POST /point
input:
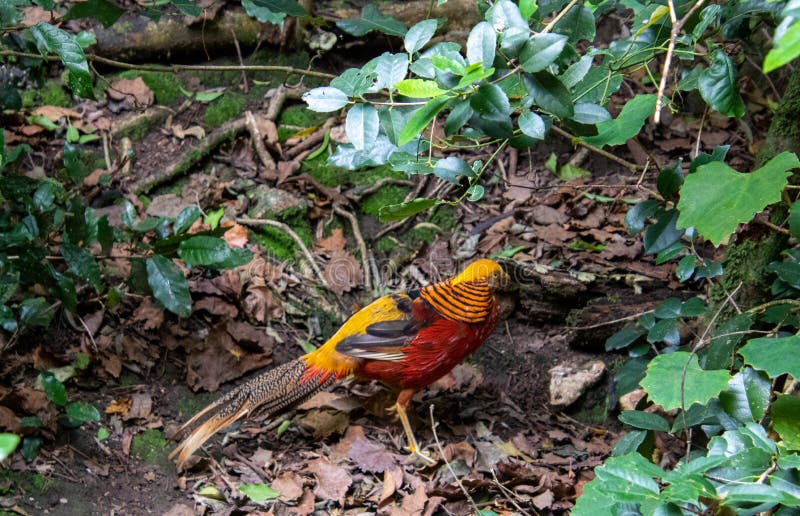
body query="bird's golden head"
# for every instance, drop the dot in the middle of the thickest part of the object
(484, 270)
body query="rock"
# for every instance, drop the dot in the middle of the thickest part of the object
(569, 381)
(268, 202)
(114, 213)
(168, 205)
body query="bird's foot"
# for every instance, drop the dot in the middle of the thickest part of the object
(421, 456)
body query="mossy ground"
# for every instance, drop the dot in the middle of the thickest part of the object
(229, 106)
(29, 483)
(51, 94)
(166, 86)
(150, 446)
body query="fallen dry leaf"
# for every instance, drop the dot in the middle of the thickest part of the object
(54, 113)
(121, 407)
(34, 15)
(332, 481)
(217, 306)
(236, 236)
(8, 420)
(140, 408)
(179, 132)
(306, 505)
(461, 450)
(217, 359)
(134, 91)
(325, 399)
(324, 422)
(343, 272)
(411, 504)
(335, 242)
(392, 481)
(149, 314)
(261, 305)
(289, 485)
(371, 457)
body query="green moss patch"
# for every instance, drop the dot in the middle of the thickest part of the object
(150, 446)
(166, 86)
(389, 194)
(228, 106)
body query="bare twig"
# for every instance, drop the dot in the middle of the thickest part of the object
(246, 221)
(362, 246)
(608, 323)
(174, 68)
(677, 26)
(449, 467)
(558, 17)
(245, 87)
(633, 167)
(258, 142)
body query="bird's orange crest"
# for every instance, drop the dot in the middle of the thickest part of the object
(478, 270)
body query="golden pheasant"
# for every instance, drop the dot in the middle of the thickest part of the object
(406, 340)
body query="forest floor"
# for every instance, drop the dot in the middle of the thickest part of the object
(497, 437)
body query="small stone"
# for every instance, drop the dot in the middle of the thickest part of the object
(569, 381)
(267, 202)
(167, 205)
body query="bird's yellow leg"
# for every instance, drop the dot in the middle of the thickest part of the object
(403, 401)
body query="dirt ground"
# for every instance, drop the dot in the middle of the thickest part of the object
(497, 437)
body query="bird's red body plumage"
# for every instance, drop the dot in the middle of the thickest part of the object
(438, 347)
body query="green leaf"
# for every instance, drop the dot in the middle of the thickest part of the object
(506, 18)
(82, 264)
(101, 10)
(421, 118)
(786, 49)
(627, 478)
(8, 285)
(644, 420)
(30, 448)
(587, 113)
(186, 7)
(51, 39)
(390, 69)
(259, 492)
(53, 388)
(475, 193)
(532, 125)
(629, 443)
(662, 234)
(628, 123)
(732, 197)
(35, 311)
(540, 51)
(665, 330)
(290, 7)
(670, 308)
(419, 35)
(623, 338)
(527, 8)
(8, 443)
(214, 217)
(638, 215)
(372, 19)
(169, 285)
(669, 180)
(263, 14)
(80, 412)
(103, 433)
(718, 86)
(212, 252)
(128, 214)
(355, 82)
(419, 88)
(685, 268)
(693, 307)
(776, 356)
(549, 94)
(492, 111)
(747, 396)
(794, 219)
(662, 382)
(451, 168)
(718, 354)
(185, 219)
(481, 44)
(362, 125)
(404, 210)
(325, 99)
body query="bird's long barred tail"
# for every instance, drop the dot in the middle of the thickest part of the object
(270, 392)
(466, 302)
